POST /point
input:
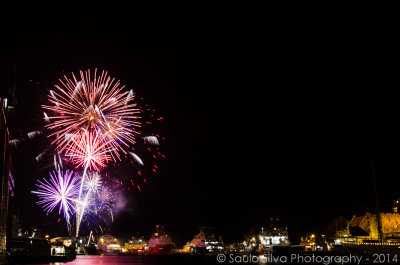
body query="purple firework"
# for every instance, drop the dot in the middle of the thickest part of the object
(60, 192)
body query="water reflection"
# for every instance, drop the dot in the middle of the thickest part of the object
(137, 260)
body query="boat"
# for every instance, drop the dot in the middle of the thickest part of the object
(272, 236)
(135, 246)
(159, 243)
(205, 242)
(109, 245)
(197, 245)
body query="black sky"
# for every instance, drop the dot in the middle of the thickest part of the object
(271, 110)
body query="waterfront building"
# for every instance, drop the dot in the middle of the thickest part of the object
(368, 228)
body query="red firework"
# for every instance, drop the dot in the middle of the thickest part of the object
(87, 149)
(96, 103)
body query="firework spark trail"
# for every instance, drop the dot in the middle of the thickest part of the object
(115, 128)
(46, 118)
(14, 142)
(39, 156)
(60, 192)
(136, 158)
(89, 150)
(34, 134)
(151, 140)
(93, 183)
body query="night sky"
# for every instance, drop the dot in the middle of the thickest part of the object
(269, 110)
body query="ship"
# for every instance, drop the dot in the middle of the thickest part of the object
(135, 246)
(109, 245)
(272, 236)
(196, 245)
(205, 242)
(159, 243)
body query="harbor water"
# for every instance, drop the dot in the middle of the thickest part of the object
(139, 260)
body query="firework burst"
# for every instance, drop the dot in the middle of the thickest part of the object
(96, 103)
(93, 182)
(87, 149)
(58, 192)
